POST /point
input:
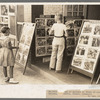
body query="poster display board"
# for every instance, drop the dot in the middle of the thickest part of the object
(87, 51)
(73, 28)
(43, 42)
(25, 43)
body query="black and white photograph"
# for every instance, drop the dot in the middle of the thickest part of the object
(88, 65)
(26, 48)
(28, 40)
(40, 22)
(71, 41)
(77, 62)
(40, 32)
(4, 9)
(80, 51)
(41, 41)
(23, 59)
(23, 38)
(69, 23)
(18, 56)
(21, 46)
(49, 40)
(54, 50)
(49, 50)
(29, 29)
(41, 51)
(96, 42)
(4, 20)
(76, 40)
(84, 40)
(70, 32)
(97, 30)
(78, 23)
(70, 50)
(50, 22)
(87, 28)
(11, 8)
(92, 53)
(47, 31)
(76, 31)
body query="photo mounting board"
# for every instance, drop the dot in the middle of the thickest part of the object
(86, 54)
(25, 43)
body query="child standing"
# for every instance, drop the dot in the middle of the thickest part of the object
(6, 55)
(58, 44)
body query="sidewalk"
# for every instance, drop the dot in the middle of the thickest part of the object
(30, 76)
(62, 78)
(40, 74)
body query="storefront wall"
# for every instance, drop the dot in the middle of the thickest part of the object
(27, 13)
(53, 9)
(93, 12)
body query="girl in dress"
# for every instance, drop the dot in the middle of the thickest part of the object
(6, 55)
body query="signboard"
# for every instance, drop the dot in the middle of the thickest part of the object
(25, 43)
(87, 51)
(73, 31)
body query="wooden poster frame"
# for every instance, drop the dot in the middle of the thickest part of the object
(70, 24)
(90, 41)
(42, 24)
(25, 41)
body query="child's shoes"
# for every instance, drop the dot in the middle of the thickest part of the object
(6, 79)
(51, 68)
(58, 71)
(12, 81)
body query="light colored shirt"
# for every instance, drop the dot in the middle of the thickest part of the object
(59, 29)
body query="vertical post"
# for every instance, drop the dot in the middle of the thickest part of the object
(98, 79)
(24, 69)
(92, 79)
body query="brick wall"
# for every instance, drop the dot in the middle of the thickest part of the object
(53, 9)
(47, 10)
(27, 13)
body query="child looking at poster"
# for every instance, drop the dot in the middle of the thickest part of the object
(58, 44)
(6, 55)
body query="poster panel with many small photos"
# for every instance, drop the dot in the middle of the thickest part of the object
(43, 40)
(73, 28)
(25, 43)
(87, 51)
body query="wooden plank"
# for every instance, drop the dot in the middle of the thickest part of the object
(82, 71)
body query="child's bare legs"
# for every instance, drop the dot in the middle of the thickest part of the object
(11, 71)
(5, 73)
(11, 76)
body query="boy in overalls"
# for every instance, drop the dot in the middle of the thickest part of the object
(58, 44)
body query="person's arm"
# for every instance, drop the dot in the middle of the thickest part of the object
(11, 47)
(14, 47)
(65, 31)
(51, 32)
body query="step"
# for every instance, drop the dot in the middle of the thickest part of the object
(46, 74)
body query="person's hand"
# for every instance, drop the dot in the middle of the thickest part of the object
(17, 47)
(17, 42)
(14, 47)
